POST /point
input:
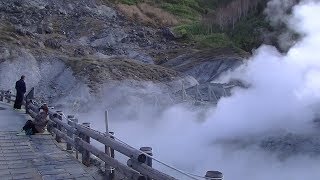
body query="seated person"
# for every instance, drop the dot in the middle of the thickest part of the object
(39, 123)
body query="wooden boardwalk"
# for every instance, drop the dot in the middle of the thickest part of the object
(43, 157)
(34, 157)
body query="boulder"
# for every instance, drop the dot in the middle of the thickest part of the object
(141, 34)
(140, 56)
(17, 3)
(48, 29)
(103, 43)
(14, 20)
(168, 33)
(39, 30)
(26, 22)
(20, 31)
(4, 53)
(105, 11)
(79, 52)
(52, 43)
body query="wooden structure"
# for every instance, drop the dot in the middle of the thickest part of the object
(78, 138)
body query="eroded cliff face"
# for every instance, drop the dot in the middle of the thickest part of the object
(78, 29)
(207, 65)
(71, 48)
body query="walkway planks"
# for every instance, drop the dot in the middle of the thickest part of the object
(36, 157)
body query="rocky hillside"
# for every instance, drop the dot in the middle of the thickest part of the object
(243, 24)
(79, 29)
(210, 64)
(63, 45)
(207, 23)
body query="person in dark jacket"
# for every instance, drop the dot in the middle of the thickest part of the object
(21, 89)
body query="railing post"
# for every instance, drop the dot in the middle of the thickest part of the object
(147, 150)
(59, 116)
(30, 95)
(74, 122)
(28, 98)
(85, 153)
(9, 97)
(69, 134)
(214, 175)
(112, 150)
(1, 95)
(108, 169)
(76, 136)
(50, 124)
(112, 154)
(27, 105)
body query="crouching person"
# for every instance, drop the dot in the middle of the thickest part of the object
(39, 123)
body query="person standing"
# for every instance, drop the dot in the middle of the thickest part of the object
(21, 89)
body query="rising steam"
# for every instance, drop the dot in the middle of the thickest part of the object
(282, 98)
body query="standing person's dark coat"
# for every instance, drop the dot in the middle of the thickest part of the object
(21, 89)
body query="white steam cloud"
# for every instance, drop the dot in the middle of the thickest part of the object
(277, 11)
(283, 98)
(278, 14)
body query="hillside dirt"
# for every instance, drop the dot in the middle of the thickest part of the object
(96, 41)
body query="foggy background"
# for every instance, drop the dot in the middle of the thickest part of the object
(261, 133)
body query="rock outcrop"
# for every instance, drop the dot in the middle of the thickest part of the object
(206, 66)
(93, 44)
